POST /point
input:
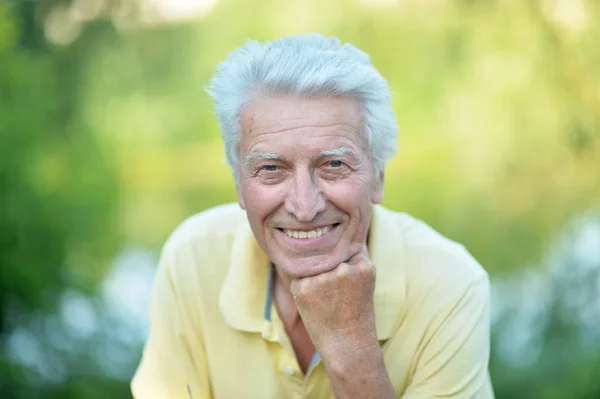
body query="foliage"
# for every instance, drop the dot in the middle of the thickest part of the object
(58, 189)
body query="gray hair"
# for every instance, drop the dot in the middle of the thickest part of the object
(303, 65)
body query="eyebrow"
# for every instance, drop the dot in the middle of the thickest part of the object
(333, 152)
(338, 152)
(262, 156)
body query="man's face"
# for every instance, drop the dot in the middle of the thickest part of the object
(307, 181)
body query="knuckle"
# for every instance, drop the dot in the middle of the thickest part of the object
(343, 270)
(366, 269)
(322, 278)
(304, 288)
(299, 290)
(295, 287)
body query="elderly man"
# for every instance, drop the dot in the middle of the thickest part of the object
(309, 288)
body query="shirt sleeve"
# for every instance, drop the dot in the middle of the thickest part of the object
(453, 363)
(173, 364)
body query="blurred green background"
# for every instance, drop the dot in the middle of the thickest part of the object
(108, 141)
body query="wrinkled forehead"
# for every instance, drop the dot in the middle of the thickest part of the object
(277, 114)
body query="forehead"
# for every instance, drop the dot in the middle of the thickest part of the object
(281, 119)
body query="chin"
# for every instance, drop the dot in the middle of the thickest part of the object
(308, 267)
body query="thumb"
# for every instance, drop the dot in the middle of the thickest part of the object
(359, 256)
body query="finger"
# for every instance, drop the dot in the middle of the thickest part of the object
(343, 270)
(365, 251)
(360, 256)
(295, 288)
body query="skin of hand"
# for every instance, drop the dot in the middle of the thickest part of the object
(337, 310)
(337, 306)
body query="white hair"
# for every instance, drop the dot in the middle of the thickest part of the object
(303, 65)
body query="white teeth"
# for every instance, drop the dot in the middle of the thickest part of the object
(307, 234)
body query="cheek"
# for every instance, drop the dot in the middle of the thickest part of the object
(260, 201)
(349, 195)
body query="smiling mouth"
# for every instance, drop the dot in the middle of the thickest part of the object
(302, 234)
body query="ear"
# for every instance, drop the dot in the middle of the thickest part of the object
(238, 190)
(377, 194)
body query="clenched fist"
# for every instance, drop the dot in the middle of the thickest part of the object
(337, 306)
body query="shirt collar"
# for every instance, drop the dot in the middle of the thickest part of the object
(246, 285)
(244, 290)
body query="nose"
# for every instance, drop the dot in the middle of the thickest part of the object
(305, 199)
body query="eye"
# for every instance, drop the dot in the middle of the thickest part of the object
(335, 164)
(270, 168)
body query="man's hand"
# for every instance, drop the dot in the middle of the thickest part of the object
(337, 306)
(338, 314)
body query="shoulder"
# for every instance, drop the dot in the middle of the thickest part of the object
(436, 254)
(199, 249)
(444, 322)
(436, 268)
(196, 257)
(205, 228)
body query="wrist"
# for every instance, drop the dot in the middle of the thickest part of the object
(343, 357)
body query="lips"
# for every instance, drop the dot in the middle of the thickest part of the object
(309, 239)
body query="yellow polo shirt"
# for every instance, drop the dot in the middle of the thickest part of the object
(215, 332)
